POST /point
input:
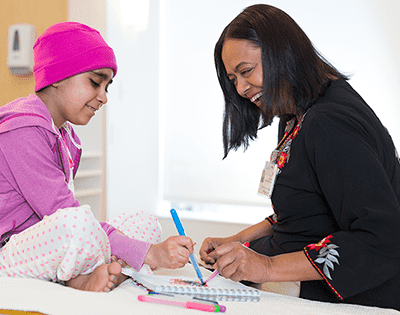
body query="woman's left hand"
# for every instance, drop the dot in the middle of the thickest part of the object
(236, 262)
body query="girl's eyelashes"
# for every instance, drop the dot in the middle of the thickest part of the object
(97, 85)
(94, 83)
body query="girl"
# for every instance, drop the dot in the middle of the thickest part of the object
(336, 172)
(45, 232)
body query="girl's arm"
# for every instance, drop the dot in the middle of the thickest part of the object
(172, 253)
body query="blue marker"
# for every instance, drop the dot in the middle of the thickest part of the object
(181, 231)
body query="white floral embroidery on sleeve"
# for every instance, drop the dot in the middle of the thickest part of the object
(328, 256)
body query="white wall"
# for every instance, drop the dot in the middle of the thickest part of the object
(132, 115)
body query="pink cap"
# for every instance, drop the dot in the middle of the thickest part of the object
(69, 48)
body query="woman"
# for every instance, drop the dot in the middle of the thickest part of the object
(333, 180)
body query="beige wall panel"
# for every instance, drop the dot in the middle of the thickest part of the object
(41, 14)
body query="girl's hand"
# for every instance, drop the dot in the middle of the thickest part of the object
(172, 253)
(236, 262)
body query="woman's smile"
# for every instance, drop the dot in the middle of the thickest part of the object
(256, 99)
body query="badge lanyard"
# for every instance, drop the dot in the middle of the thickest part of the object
(279, 157)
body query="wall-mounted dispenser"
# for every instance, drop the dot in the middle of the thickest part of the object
(21, 38)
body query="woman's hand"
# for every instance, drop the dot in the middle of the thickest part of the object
(236, 262)
(247, 235)
(172, 253)
(210, 244)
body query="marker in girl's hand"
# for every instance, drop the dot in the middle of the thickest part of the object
(181, 231)
(216, 272)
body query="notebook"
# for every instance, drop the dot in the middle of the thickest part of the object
(218, 289)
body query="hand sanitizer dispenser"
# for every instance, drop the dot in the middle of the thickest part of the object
(21, 38)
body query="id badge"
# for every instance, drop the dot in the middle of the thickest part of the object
(268, 178)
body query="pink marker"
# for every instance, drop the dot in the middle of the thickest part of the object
(192, 305)
(216, 272)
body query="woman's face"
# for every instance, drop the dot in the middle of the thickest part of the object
(243, 64)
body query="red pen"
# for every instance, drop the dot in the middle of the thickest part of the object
(191, 305)
(216, 272)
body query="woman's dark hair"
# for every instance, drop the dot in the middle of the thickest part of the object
(295, 75)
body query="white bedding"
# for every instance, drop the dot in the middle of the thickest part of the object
(50, 298)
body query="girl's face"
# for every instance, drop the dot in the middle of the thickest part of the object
(243, 64)
(77, 98)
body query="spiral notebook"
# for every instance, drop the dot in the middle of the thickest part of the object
(218, 289)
